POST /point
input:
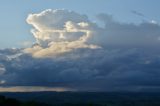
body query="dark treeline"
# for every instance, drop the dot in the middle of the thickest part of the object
(14, 102)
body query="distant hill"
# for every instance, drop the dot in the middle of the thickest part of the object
(85, 98)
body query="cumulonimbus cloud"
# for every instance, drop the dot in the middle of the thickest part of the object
(73, 52)
(59, 31)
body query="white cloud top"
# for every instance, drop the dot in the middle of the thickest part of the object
(59, 31)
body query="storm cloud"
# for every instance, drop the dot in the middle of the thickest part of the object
(72, 52)
(59, 31)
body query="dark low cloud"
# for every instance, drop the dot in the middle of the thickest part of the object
(100, 70)
(125, 58)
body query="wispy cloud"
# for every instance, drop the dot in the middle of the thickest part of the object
(137, 13)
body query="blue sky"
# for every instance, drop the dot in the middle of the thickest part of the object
(15, 30)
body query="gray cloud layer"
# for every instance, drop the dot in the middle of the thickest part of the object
(73, 52)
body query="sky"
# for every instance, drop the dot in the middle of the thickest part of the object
(68, 45)
(14, 14)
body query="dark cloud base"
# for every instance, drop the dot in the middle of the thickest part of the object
(87, 70)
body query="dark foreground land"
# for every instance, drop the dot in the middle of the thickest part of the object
(79, 99)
